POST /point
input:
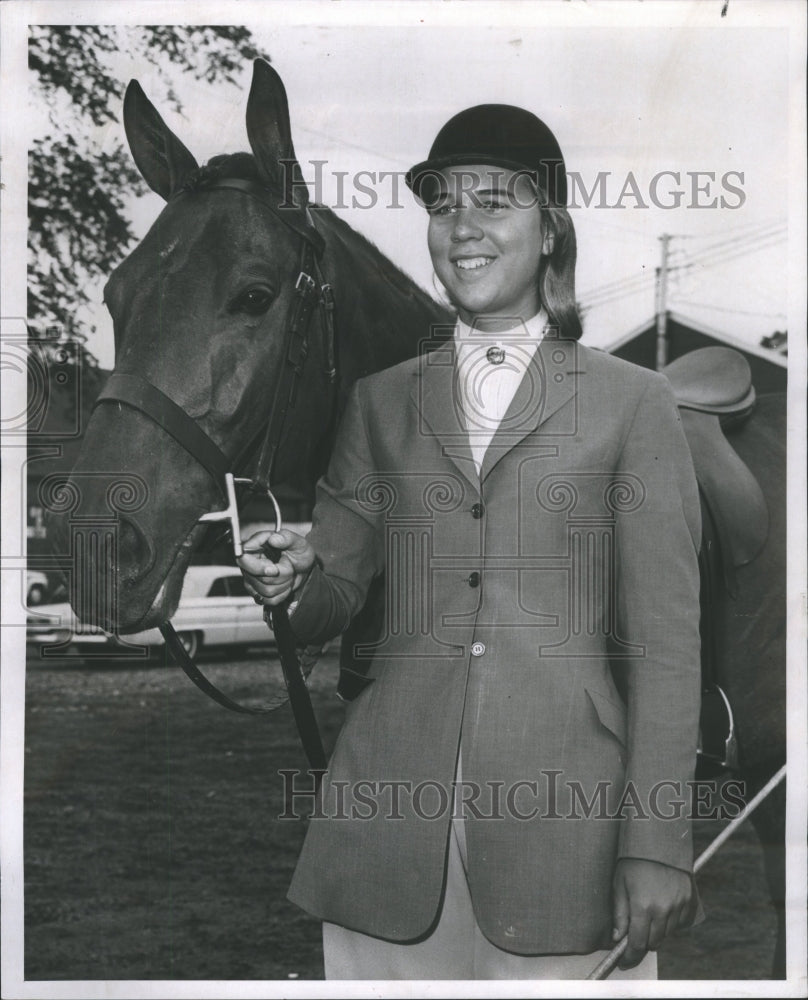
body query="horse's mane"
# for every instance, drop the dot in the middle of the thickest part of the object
(366, 251)
(243, 166)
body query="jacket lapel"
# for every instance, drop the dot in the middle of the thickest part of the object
(435, 396)
(550, 382)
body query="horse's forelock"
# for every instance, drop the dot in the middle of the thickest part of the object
(241, 166)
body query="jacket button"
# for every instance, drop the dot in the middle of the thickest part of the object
(477, 648)
(474, 579)
(477, 511)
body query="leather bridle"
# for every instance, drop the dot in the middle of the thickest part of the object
(311, 291)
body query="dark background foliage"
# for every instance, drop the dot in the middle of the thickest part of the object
(81, 177)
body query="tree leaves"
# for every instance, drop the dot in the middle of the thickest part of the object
(77, 224)
(80, 179)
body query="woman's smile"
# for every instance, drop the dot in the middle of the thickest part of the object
(472, 263)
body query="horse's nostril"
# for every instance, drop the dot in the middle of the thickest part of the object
(99, 550)
(92, 575)
(134, 551)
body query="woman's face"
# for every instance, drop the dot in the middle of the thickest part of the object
(485, 239)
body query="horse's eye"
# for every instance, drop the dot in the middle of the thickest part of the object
(254, 302)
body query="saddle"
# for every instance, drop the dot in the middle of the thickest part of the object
(713, 389)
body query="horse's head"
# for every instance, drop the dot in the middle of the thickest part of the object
(200, 310)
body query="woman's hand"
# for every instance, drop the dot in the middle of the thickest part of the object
(272, 582)
(650, 901)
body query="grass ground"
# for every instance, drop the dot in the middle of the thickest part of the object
(153, 848)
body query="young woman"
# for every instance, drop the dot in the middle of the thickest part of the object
(508, 795)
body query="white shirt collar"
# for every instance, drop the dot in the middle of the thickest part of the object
(531, 330)
(490, 367)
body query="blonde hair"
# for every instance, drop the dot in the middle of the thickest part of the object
(557, 271)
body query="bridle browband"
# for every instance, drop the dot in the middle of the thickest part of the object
(140, 394)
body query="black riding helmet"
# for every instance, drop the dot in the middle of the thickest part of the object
(500, 135)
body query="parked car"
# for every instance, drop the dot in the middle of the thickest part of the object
(36, 587)
(214, 610)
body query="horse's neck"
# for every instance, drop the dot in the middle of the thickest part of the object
(382, 316)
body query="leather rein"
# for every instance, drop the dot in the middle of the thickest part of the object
(311, 291)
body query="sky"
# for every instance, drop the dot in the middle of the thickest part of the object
(651, 96)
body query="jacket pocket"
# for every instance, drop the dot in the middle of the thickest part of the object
(611, 715)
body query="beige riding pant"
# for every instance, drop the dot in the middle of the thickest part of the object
(457, 948)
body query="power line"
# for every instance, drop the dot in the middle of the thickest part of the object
(740, 234)
(730, 246)
(735, 230)
(758, 237)
(735, 236)
(718, 260)
(701, 282)
(617, 283)
(616, 290)
(727, 309)
(588, 304)
(751, 241)
(638, 289)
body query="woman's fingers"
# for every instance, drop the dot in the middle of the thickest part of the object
(261, 552)
(268, 593)
(272, 575)
(253, 558)
(276, 598)
(295, 548)
(273, 562)
(656, 894)
(674, 920)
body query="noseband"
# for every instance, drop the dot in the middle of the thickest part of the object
(137, 392)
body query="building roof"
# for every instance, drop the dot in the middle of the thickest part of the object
(775, 357)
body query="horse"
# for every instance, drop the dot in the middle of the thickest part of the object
(752, 651)
(738, 446)
(200, 309)
(204, 328)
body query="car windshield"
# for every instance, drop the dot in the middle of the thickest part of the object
(236, 586)
(205, 581)
(219, 587)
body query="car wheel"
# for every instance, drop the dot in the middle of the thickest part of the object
(36, 595)
(190, 642)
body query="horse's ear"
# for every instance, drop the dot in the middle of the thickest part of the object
(270, 135)
(158, 153)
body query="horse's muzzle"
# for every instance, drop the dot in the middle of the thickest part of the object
(106, 563)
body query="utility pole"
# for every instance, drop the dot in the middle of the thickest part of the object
(662, 304)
